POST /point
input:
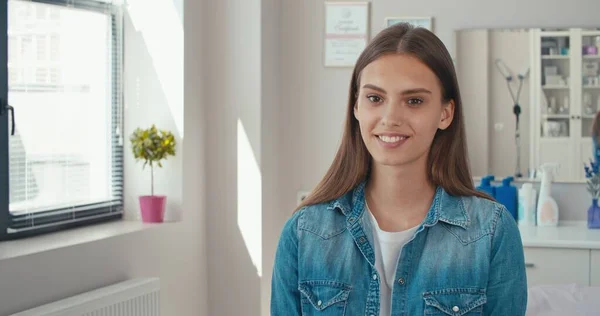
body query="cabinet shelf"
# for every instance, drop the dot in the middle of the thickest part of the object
(591, 56)
(565, 116)
(555, 34)
(592, 87)
(554, 139)
(555, 57)
(554, 87)
(556, 116)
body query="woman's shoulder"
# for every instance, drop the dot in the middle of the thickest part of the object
(322, 219)
(481, 203)
(484, 214)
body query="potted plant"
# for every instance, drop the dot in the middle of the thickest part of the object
(593, 186)
(152, 146)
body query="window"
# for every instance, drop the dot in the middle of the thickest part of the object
(61, 74)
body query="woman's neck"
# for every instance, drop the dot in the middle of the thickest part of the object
(399, 197)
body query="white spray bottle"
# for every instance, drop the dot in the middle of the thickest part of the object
(547, 209)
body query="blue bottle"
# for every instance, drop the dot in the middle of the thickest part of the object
(486, 186)
(508, 195)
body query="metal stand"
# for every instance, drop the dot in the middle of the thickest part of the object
(517, 112)
(505, 71)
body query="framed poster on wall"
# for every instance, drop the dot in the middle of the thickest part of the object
(346, 32)
(425, 22)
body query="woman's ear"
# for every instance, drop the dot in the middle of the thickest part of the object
(447, 115)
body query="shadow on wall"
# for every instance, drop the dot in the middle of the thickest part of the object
(234, 185)
(234, 220)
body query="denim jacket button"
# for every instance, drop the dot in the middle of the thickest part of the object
(319, 303)
(351, 219)
(374, 276)
(401, 281)
(362, 240)
(455, 309)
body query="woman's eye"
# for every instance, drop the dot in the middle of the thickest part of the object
(415, 101)
(374, 98)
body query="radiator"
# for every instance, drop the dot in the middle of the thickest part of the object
(137, 297)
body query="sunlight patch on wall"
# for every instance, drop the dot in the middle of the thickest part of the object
(249, 190)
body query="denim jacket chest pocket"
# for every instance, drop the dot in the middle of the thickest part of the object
(455, 302)
(324, 298)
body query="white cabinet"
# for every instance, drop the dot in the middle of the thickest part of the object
(567, 254)
(595, 268)
(564, 98)
(560, 151)
(557, 266)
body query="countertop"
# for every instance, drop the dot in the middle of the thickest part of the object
(565, 235)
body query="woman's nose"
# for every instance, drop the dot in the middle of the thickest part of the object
(393, 115)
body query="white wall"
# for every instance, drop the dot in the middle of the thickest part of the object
(233, 95)
(472, 69)
(513, 47)
(272, 172)
(242, 86)
(488, 102)
(176, 253)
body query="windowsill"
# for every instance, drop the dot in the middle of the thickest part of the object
(71, 237)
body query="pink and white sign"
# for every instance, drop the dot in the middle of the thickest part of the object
(346, 32)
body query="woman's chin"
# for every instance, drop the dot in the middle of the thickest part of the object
(397, 160)
(391, 161)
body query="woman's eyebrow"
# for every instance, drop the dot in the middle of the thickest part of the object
(409, 91)
(415, 91)
(374, 87)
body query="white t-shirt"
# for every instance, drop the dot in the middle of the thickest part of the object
(388, 246)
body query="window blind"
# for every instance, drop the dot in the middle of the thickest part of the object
(65, 159)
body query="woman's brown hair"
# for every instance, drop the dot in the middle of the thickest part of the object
(596, 128)
(447, 161)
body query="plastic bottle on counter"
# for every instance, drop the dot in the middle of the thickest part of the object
(547, 209)
(527, 205)
(486, 186)
(507, 195)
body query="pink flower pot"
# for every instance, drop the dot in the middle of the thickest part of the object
(153, 208)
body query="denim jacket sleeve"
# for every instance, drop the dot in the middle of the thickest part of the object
(507, 285)
(285, 296)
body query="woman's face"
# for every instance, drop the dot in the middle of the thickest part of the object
(399, 109)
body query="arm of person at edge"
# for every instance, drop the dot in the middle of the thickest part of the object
(507, 285)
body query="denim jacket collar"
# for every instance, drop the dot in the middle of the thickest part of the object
(445, 207)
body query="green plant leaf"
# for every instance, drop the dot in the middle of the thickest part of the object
(152, 145)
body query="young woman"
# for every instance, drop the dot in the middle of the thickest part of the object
(396, 227)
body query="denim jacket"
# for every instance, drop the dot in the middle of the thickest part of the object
(466, 258)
